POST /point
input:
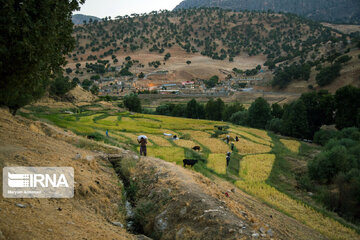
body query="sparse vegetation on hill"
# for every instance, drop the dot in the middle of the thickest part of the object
(216, 33)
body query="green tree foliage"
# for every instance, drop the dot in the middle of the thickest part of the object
(337, 168)
(60, 85)
(277, 111)
(259, 113)
(283, 76)
(295, 120)
(141, 75)
(212, 82)
(343, 59)
(132, 103)
(34, 37)
(275, 125)
(195, 110)
(347, 102)
(86, 84)
(214, 109)
(320, 107)
(328, 74)
(240, 118)
(231, 109)
(94, 89)
(167, 56)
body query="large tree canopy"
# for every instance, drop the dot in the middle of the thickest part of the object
(34, 37)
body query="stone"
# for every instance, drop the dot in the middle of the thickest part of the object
(118, 224)
(262, 230)
(179, 234)
(161, 222)
(231, 230)
(89, 158)
(255, 235)
(20, 205)
(183, 211)
(310, 194)
(270, 233)
(77, 156)
(142, 237)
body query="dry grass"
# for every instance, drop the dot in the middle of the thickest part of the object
(185, 143)
(247, 147)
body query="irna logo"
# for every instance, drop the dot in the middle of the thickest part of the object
(36, 180)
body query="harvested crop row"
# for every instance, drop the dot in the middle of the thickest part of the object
(244, 147)
(292, 145)
(217, 162)
(159, 140)
(260, 133)
(185, 143)
(255, 168)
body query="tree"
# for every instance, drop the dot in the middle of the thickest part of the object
(60, 85)
(347, 103)
(212, 82)
(319, 109)
(295, 120)
(276, 110)
(214, 109)
(231, 109)
(34, 38)
(328, 74)
(188, 62)
(259, 113)
(195, 110)
(94, 89)
(132, 102)
(167, 56)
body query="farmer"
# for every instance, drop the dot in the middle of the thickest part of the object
(232, 146)
(107, 132)
(228, 154)
(227, 139)
(142, 143)
(237, 138)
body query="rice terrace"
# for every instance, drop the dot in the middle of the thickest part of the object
(255, 154)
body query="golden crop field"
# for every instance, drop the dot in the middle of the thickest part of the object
(256, 168)
(292, 145)
(257, 132)
(159, 140)
(247, 147)
(185, 143)
(252, 137)
(170, 154)
(217, 162)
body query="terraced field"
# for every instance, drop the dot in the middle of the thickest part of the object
(255, 151)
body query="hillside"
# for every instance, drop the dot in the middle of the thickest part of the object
(173, 201)
(197, 44)
(80, 18)
(344, 11)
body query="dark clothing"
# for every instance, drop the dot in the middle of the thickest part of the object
(237, 139)
(227, 161)
(143, 150)
(143, 143)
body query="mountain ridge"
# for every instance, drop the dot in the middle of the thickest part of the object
(342, 11)
(80, 18)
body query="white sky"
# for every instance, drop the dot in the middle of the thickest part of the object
(113, 8)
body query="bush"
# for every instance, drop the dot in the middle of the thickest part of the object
(240, 118)
(275, 125)
(132, 102)
(323, 136)
(328, 74)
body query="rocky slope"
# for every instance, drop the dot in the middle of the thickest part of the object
(343, 11)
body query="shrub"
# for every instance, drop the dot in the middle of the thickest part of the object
(323, 136)
(275, 125)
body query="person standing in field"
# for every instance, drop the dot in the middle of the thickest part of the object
(228, 154)
(142, 143)
(107, 132)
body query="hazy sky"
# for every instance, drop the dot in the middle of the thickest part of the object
(113, 8)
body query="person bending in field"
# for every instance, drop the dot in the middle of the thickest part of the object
(142, 143)
(228, 154)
